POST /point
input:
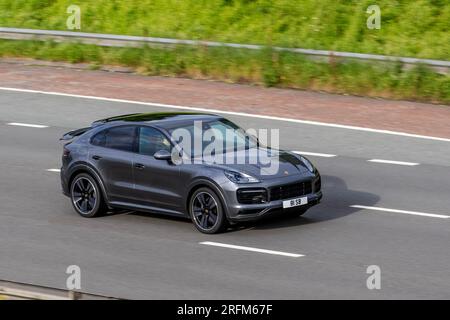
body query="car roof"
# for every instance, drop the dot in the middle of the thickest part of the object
(161, 119)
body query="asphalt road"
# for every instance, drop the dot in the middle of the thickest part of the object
(135, 255)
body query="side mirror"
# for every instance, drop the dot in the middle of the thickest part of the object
(162, 155)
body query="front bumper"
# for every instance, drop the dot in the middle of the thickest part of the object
(252, 212)
(238, 210)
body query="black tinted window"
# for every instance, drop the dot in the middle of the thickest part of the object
(151, 141)
(120, 138)
(99, 139)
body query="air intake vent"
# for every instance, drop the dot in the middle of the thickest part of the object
(290, 191)
(252, 195)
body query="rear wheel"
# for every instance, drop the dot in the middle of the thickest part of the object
(86, 196)
(206, 211)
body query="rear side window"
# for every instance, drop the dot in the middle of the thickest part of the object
(99, 139)
(151, 141)
(119, 138)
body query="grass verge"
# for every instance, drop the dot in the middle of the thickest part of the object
(264, 67)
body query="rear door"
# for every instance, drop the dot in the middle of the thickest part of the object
(111, 152)
(157, 182)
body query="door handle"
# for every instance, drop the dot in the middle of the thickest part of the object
(95, 157)
(139, 166)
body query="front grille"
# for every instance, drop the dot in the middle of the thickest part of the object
(290, 190)
(252, 196)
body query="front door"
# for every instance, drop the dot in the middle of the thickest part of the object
(157, 182)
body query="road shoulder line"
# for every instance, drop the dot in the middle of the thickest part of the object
(416, 213)
(200, 109)
(252, 249)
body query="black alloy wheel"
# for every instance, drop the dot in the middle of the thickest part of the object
(206, 211)
(86, 196)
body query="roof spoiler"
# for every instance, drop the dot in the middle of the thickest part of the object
(102, 121)
(74, 133)
(78, 132)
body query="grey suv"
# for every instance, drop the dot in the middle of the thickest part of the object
(127, 162)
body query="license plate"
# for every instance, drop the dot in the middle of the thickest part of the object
(295, 202)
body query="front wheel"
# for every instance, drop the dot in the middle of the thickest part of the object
(206, 211)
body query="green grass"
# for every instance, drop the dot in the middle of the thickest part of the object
(265, 67)
(408, 28)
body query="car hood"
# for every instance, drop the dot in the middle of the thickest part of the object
(275, 164)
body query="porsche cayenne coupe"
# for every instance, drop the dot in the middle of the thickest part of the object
(127, 162)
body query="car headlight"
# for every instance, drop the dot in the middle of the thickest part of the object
(240, 177)
(308, 164)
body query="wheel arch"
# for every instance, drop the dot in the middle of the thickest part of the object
(86, 168)
(201, 183)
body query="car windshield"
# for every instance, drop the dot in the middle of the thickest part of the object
(221, 135)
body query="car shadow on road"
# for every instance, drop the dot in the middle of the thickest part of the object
(336, 202)
(148, 214)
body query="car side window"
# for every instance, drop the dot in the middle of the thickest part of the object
(151, 141)
(120, 138)
(99, 139)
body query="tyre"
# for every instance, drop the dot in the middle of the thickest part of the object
(86, 196)
(206, 211)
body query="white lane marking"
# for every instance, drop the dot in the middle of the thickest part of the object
(53, 170)
(27, 125)
(314, 154)
(231, 246)
(401, 163)
(162, 105)
(415, 213)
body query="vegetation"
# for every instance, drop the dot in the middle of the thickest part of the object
(408, 28)
(266, 67)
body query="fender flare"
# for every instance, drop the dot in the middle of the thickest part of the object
(204, 181)
(86, 167)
